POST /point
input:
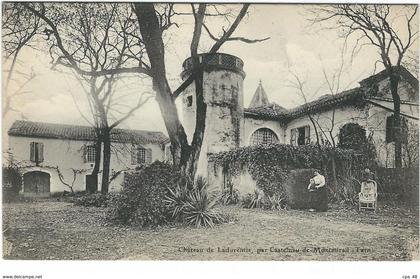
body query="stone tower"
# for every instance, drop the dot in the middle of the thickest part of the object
(223, 93)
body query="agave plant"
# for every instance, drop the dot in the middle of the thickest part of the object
(176, 198)
(254, 200)
(275, 202)
(229, 196)
(198, 209)
(194, 205)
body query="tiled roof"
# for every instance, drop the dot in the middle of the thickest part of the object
(352, 96)
(84, 133)
(327, 101)
(276, 112)
(271, 111)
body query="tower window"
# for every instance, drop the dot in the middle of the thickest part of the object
(189, 101)
(263, 136)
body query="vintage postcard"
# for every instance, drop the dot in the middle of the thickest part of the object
(210, 131)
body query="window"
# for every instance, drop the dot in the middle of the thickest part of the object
(263, 136)
(391, 129)
(140, 155)
(189, 101)
(36, 152)
(90, 154)
(300, 136)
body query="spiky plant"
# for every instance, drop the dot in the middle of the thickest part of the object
(175, 200)
(193, 205)
(275, 202)
(254, 200)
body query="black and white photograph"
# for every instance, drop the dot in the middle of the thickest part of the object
(152, 131)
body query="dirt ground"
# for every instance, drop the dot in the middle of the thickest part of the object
(61, 231)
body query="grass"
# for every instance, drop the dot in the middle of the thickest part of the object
(59, 230)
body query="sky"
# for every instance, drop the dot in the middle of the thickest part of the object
(294, 47)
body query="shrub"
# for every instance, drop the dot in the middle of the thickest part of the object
(254, 200)
(296, 188)
(12, 183)
(92, 200)
(175, 200)
(193, 205)
(274, 202)
(229, 195)
(271, 165)
(142, 199)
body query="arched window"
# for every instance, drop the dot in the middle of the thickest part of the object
(263, 136)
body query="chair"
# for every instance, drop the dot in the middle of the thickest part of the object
(368, 195)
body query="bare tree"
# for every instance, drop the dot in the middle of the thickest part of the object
(325, 125)
(95, 41)
(142, 51)
(185, 155)
(70, 183)
(19, 27)
(391, 29)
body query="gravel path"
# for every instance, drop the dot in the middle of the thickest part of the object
(59, 230)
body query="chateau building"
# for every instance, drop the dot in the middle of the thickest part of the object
(41, 148)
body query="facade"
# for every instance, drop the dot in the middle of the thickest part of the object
(229, 124)
(53, 155)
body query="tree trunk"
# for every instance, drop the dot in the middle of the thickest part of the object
(152, 38)
(200, 125)
(98, 149)
(394, 80)
(107, 161)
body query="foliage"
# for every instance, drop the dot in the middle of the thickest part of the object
(92, 200)
(271, 165)
(275, 202)
(353, 136)
(142, 199)
(254, 200)
(229, 195)
(175, 199)
(411, 147)
(193, 205)
(347, 191)
(12, 183)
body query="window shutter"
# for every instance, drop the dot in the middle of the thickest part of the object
(148, 156)
(40, 152)
(293, 136)
(134, 155)
(85, 154)
(307, 134)
(32, 152)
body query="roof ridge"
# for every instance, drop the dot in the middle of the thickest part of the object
(81, 132)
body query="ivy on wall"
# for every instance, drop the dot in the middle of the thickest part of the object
(269, 165)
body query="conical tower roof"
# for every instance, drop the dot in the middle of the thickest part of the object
(260, 97)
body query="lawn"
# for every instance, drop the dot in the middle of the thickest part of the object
(58, 230)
